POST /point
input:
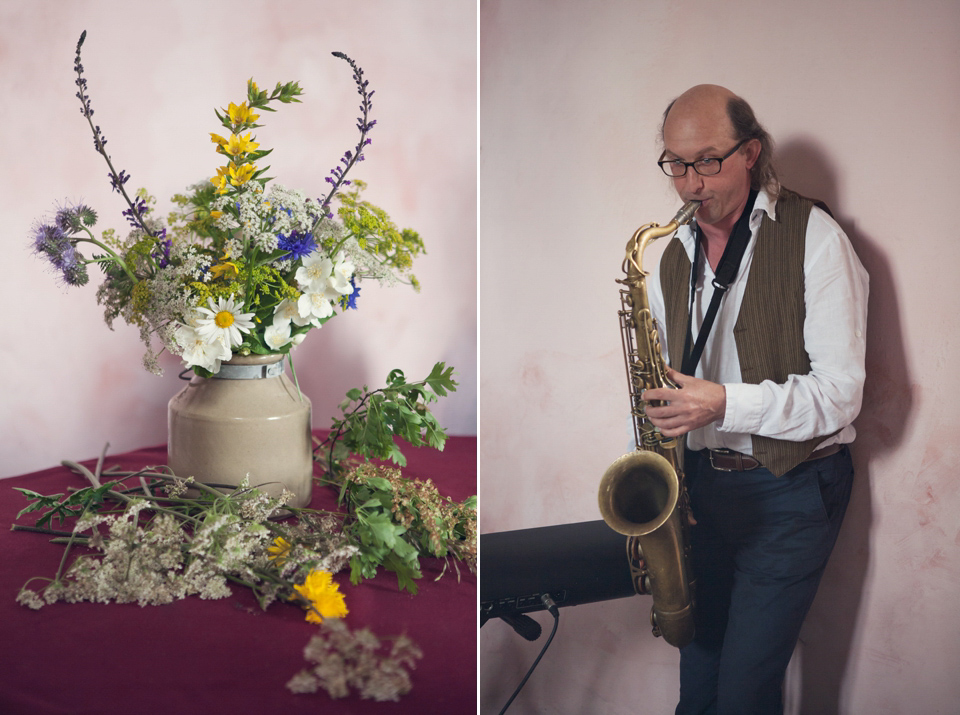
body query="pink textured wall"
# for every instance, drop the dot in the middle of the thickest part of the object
(156, 71)
(864, 101)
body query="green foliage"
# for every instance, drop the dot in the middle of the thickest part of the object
(195, 217)
(367, 429)
(61, 507)
(259, 99)
(397, 520)
(377, 233)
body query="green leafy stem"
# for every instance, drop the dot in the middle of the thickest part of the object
(371, 418)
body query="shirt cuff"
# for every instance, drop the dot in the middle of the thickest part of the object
(744, 408)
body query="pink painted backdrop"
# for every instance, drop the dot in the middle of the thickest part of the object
(864, 100)
(156, 71)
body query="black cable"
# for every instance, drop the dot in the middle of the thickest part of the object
(555, 612)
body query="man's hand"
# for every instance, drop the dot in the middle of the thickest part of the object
(697, 403)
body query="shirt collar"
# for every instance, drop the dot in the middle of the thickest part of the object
(765, 203)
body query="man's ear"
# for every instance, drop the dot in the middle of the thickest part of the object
(752, 152)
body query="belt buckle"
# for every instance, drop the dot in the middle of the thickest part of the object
(725, 453)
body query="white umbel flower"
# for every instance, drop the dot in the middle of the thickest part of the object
(223, 321)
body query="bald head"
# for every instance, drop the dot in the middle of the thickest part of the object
(702, 109)
(715, 111)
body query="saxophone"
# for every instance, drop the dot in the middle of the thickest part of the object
(642, 494)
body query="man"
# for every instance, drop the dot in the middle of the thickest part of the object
(766, 407)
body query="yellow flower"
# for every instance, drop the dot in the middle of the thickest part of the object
(241, 114)
(225, 270)
(237, 145)
(242, 174)
(220, 180)
(322, 595)
(279, 550)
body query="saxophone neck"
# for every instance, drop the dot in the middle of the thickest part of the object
(645, 235)
(686, 212)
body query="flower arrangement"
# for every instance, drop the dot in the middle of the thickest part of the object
(242, 265)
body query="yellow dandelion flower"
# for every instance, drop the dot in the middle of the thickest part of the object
(279, 550)
(321, 595)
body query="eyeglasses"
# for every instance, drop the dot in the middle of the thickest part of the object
(708, 166)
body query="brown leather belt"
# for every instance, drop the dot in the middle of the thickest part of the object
(726, 460)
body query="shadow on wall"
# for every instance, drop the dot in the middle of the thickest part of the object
(828, 635)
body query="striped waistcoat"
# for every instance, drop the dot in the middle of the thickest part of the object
(769, 327)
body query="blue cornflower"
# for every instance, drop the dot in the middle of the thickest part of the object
(298, 244)
(351, 300)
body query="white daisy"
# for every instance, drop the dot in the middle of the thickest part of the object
(223, 321)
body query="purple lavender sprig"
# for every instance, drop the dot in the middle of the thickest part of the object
(337, 177)
(137, 209)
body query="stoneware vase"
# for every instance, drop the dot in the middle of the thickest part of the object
(247, 421)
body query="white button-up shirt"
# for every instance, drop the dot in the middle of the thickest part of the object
(834, 332)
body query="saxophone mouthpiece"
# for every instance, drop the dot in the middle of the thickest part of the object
(686, 213)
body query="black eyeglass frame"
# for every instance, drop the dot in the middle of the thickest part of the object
(687, 164)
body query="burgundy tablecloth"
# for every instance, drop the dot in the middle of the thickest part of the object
(224, 656)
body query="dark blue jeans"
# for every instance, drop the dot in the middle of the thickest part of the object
(758, 551)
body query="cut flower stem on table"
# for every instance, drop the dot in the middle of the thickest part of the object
(157, 537)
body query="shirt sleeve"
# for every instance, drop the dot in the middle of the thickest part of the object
(828, 398)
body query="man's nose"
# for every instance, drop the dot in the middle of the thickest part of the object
(691, 182)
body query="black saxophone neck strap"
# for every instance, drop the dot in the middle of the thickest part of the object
(726, 272)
